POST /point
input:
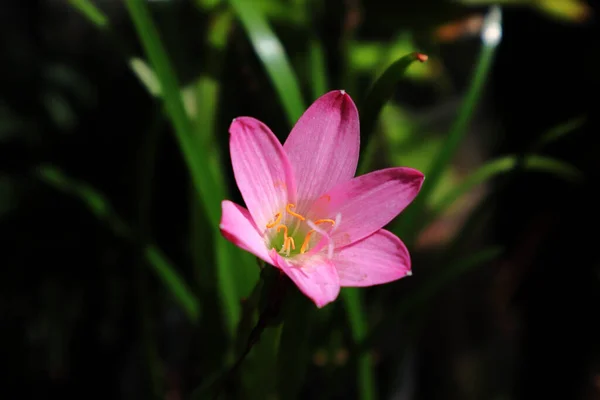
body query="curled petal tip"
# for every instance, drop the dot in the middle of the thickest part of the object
(422, 57)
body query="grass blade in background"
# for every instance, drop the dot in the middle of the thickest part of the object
(380, 92)
(102, 209)
(271, 53)
(491, 36)
(211, 192)
(560, 131)
(294, 348)
(503, 165)
(357, 319)
(91, 12)
(318, 69)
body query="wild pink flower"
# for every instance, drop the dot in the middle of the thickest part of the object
(307, 214)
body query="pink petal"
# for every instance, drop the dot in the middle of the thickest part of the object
(237, 227)
(367, 203)
(261, 168)
(324, 144)
(318, 280)
(376, 259)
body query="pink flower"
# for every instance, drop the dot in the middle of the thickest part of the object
(307, 214)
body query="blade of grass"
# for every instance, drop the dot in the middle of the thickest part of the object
(272, 55)
(380, 92)
(91, 12)
(145, 178)
(318, 69)
(357, 319)
(294, 348)
(559, 131)
(491, 35)
(210, 190)
(102, 209)
(500, 166)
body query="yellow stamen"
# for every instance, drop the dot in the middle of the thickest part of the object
(320, 221)
(290, 242)
(275, 222)
(285, 233)
(306, 241)
(289, 206)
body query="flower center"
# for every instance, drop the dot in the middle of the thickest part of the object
(288, 229)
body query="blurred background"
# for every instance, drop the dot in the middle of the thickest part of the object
(115, 281)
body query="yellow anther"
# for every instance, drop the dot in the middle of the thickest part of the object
(320, 221)
(306, 241)
(288, 209)
(275, 222)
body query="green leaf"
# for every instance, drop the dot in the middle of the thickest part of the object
(272, 55)
(102, 209)
(195, 156)
(317, 68)
(294, 350)
(491, 35)
(381, 91)
(357, 319)
(201, 163)
(171, 279)
(503, 165)
(560, 131)
(91, 12)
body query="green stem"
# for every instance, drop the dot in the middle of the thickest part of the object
(358, 325)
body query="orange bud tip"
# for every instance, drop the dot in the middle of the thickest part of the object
(422, 57)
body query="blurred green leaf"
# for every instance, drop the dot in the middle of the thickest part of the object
(380, 92)
(418, 297)
(102, 209)
(376, 57)
(503, 165)
(211, 191)
(294, 350)
(259, 370)
(565, 10)
(272, 55)
(491, 35)
(195, 156)
(408, 145)
(92, 12)
(318, 70)
(357, 319)
(560, 131)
